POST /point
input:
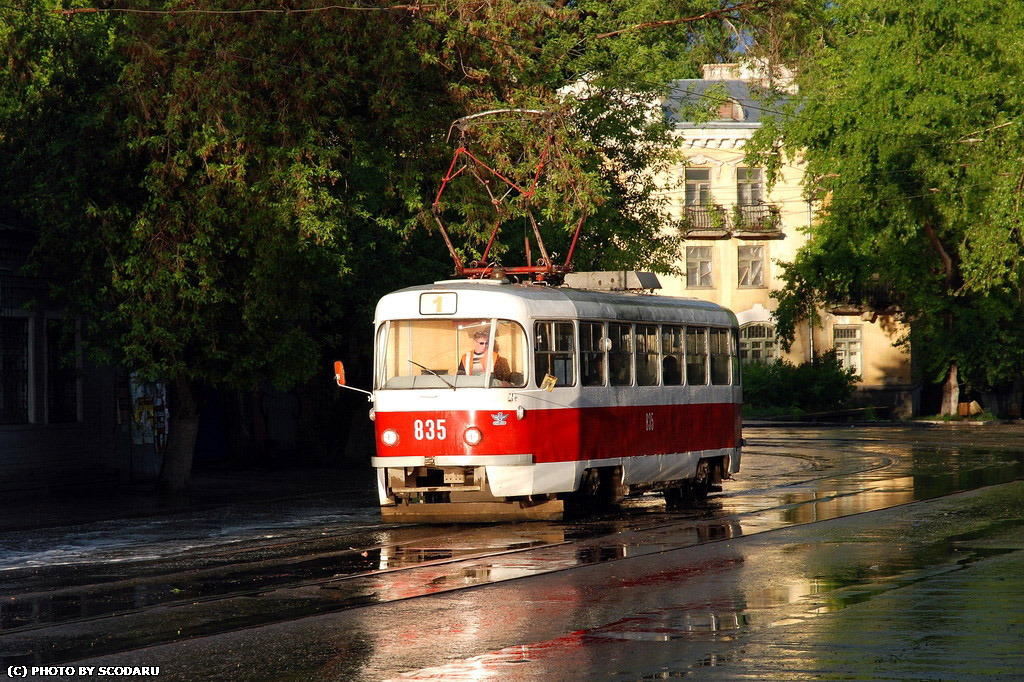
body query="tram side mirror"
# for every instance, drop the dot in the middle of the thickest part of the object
(339, 377)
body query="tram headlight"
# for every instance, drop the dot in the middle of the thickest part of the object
(389, 437)
(473, 436)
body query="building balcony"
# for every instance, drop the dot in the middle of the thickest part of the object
(747, 221)
(871, 297)
(757, 221)
(705, 222)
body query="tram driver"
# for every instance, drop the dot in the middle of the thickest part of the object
(474, 362)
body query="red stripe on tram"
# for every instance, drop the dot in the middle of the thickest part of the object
(564, 435)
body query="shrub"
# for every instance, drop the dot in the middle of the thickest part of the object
(821, 384)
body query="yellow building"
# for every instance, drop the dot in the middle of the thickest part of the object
(737, 230)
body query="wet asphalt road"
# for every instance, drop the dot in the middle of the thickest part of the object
(836, 553)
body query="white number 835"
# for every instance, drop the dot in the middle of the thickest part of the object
(429, 429)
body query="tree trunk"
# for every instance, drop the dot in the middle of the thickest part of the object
(181, 438)
(951, 392)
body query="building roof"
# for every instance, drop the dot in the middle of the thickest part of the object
(752, 105)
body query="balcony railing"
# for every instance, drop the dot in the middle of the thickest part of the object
(709, 218)
(871, 296)
(757, 218)
(758, 221)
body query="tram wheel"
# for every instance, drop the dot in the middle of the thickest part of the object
(701, 485)
(675, 496)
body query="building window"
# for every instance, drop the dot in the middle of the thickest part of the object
(750, 265)
(847, 342)
(556, 352)
(698, 266)
(14, 368)
(749, 186)
(758, 343)
(698, 186)
(61, 373)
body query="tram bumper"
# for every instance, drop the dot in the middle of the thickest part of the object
(468, 489)
(473, 512)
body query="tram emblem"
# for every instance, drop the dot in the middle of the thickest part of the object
(499, 418)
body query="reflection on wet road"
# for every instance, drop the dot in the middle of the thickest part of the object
(793, 606)
(790, 477)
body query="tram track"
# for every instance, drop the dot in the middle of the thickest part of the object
(240, 587)
(178, 579)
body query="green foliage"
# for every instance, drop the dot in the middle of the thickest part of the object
(220, 188)
(909, 121)
(821, 384)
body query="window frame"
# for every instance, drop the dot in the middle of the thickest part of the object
(696, 190)
(597, 353)
(752, 179)
(396, 339)
(648, 347)
(764, 357)
(555, 352)
(843, 353)
(761, 262)
(697, 261)
(699, 335)
(669, 350)
(615, 352)
(719, 356)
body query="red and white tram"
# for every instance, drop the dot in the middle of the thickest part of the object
(569, 394)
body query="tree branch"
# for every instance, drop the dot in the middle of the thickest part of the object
(752, 4)
(947, 262)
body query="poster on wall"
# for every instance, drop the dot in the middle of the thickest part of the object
(149, 412)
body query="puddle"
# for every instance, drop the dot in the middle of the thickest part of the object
(439, 559)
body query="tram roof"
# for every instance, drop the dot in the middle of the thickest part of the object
(540, 301)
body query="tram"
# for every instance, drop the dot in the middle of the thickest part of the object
(495, 400)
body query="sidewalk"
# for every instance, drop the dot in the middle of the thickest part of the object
(209, 488)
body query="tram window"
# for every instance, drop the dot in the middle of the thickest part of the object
(737, 377)
(592, 362)
(620, 356)
(696, 356)
(719, 356)
(646, 355)
(672, 356)
(555, 352)
(431, 353)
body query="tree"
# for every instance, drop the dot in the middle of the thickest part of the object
(909, 122)
(216, 187)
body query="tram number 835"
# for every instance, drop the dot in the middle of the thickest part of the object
(429, 429)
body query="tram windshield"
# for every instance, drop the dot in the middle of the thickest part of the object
(451, 354)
